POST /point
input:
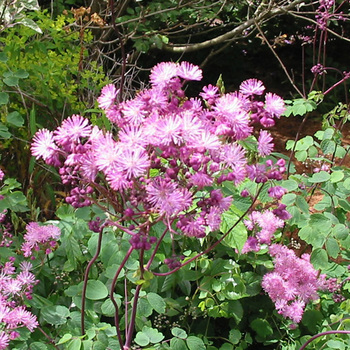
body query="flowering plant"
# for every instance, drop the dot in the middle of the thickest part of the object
(162, 176)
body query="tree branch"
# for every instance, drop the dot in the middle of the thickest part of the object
(237, 31)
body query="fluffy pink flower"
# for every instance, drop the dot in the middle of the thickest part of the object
(162, 73)
(164, 196)
(201, 180)
(233, 155)
(189, 71)
(210, 92)
(169, 130)
(36, 235)
(252, 87)
(265, 144)
(117, 180)
(4, 340)
(108, 96)
(274, 104)
(293, 282)
(72, 129)
(19, 316)
(133, 162)
(107, 152)
(134, 111)
(43, 145)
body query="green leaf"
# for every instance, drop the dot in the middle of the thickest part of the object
(157, 302)
(169, 282)
(153, 334)
(290, 185)
(301, 156)
(144, 308)
(238, 236)
(3, 57)
(235, 309)
(319, 258)
(108, 308)
(301, 203)
(328, 146)
(96, 290)
(261, 327)
(142, 339)
(178, 332)
(55, 314)
(322, 176)
(11, 81)
(4, 98)
(332, 247)
(346, 183)
(178, 344)
(75, 344)
(15, 119)
(336, 344)
(195, 343)
(31, 24)
(304, 143)
(234, 336)
(4, 131)
(37, 346)
(65, 338)
(21, 74)
(337, 176)
(32, 121)
(311, 319)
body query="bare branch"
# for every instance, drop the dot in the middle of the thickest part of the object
(263, 16)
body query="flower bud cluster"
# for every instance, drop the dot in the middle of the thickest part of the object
(139, 241)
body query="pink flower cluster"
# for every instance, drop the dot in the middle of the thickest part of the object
(293, 282)
(263, 224)
(14, 287)
(169, 150)
(39, 238)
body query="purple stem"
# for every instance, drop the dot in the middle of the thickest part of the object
(130, 330)
(116, 315)
(86, 276)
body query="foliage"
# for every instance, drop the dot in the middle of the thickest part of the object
(44, 77)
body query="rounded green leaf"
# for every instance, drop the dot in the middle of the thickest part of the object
(157, 302)
(96, 290)
(4, 98)
(65, 338)
(3, 57)
(262, 327)
(337, 176)
(15, 119)
(55, 314)
(319, 258)
(322, 176)
(38, 346)
(141, 339)
(177, 344)
(195, 343)
(179, 333)
(75, 344)
(11, 81)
